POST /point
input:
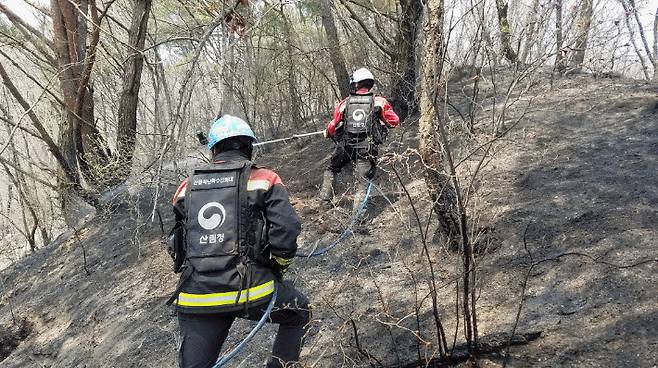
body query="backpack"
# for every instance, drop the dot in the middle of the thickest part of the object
(362, 125)
(224, 235)
(358, 114)
(218, 234)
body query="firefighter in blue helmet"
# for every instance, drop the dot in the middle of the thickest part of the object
(235, 236)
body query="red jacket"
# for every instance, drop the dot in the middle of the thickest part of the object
(388, 116)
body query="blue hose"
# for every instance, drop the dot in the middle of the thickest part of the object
(345, 232)
(221, 362)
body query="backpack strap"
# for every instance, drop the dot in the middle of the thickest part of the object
(187, 270)
(245, 233)
(244, 214)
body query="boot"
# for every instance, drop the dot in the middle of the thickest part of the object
(327, 189)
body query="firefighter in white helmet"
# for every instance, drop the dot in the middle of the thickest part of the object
(359, 125)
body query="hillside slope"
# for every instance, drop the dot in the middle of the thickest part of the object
(579, 174)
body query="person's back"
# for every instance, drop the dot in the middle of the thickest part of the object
(236, 235)
(358, 126)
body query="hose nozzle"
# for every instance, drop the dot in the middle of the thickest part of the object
(201, 136)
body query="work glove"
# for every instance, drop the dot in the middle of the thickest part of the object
(280, 265)
(326, 133)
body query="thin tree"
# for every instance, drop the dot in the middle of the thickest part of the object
(583, 26)
(333, 47)
(559, 41)
(435, 153)
(127, 124)
(403, 95)
(401, 53)
(655, 45)
(631, 33)
(631, 9)
(505, 36)
(294, 100)
(531, 29)
(437, 181)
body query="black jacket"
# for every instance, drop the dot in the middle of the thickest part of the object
(276, 227)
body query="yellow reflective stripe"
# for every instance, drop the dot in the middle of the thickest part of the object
(219, 299)
(283, 261)
(258, 184)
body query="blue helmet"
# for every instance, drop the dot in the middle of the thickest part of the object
(226, 127)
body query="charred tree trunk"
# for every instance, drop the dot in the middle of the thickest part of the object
(335, 53)
(403, 95)
(434, 150)
(70, 38)
(505, 37)
(75, 59)
(127, 124)
(582, 34)
(437, 181)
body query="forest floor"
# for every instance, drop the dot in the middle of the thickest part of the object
(572, 188)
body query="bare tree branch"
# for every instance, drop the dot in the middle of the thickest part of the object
(32, 35)
(631, 32)
(33, 177)
(50, 143)
(384, 48)
(633, 9)
(6, 119)
(22, 25)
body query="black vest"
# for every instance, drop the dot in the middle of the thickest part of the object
(223, 269)
(217, 233)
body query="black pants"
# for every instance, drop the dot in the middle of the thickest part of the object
(364, 157)
(202, 335)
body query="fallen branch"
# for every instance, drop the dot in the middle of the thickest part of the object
(492, 345)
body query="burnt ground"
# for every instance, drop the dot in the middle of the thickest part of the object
(577, 175)
(583, 179)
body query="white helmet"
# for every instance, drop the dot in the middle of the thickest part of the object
(361, 75)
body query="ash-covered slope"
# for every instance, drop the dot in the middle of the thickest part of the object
(580, 167)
